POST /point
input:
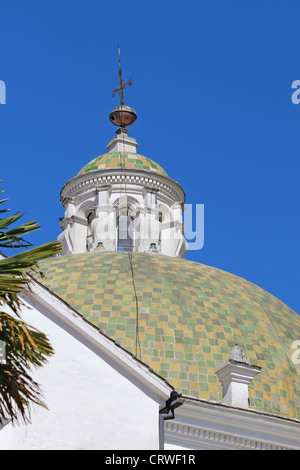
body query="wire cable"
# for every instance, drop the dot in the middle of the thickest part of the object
(138, 350)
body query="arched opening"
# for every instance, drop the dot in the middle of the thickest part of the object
(125, 241)
(126, 207)
(89, 236)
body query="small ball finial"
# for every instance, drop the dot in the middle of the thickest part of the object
(123, 116)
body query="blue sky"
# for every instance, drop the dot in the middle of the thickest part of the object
(212, 90)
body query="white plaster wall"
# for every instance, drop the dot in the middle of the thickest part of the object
(175, 447)
(90, 404)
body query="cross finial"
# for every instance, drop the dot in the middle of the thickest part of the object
(122, 85)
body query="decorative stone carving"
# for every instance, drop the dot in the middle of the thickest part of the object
(235, 374)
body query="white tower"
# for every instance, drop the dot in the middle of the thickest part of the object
(123, 200)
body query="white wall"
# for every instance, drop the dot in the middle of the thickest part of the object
(90, 404)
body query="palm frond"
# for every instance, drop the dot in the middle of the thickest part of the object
(25, 346)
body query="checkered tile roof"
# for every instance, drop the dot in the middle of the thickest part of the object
(189, 317)
(122, 160)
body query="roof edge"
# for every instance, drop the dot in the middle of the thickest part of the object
(123, 361)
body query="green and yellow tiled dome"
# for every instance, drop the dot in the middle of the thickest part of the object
(189, 318)
(115, 160)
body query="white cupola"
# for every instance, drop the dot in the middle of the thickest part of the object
(122, 200)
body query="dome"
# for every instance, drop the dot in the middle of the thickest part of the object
(189, 318)
(115, 160)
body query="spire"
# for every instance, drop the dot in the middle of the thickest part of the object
(122, 85)
(122, 115)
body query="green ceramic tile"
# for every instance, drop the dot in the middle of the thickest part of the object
(190, 316)
(129, 160)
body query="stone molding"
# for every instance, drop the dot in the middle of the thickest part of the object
(91, 181)
(73, 219)
(201, 424)
(193, 435)
(234, 371)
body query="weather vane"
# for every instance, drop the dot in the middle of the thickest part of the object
(122, 85)
(122, 116)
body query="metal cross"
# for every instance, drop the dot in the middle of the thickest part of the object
(120, 89)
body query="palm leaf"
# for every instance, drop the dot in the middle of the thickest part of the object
(26, 347)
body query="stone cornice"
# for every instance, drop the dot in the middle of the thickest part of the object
(234, 371)
(196, 437)
(73, 219)
(92, 180)
(200, 424)
(107, 208)
(150, 189)
(103, 187)
(78, 198)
